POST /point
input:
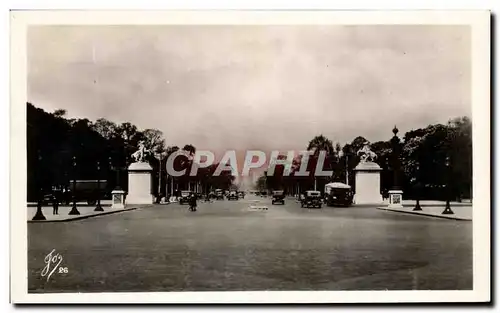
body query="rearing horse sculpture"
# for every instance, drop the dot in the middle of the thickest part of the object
(367, 155)
(140, 154)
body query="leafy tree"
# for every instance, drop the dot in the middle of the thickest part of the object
(60, 113)
(320, 143)
(190, 149)
(105, 128)
(153, 140)
(424, 157)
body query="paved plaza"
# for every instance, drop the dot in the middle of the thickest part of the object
(227, 246)
(86, 211)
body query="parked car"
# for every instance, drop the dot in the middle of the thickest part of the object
(232, 195)
(278, 197)
(241, 194)
(311, 198)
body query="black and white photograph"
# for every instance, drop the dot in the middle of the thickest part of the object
(159, 156)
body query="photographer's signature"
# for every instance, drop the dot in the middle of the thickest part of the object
(52, 264)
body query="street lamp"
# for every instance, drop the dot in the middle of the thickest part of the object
(74, 209)
(159, 156)
(98, 208)
(118, 169)
(447, 209)
(39, 213)
(346, 155)
(417, 185)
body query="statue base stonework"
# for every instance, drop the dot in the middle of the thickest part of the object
(118, 199)
(139, 184)
(367, 183)
(395, 198)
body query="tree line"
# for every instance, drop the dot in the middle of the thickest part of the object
(60, 149)
(434, 162)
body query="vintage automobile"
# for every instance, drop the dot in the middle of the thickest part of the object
(49, 198)
(241, 194)
(185, 195)
(278, 197)
(219, 194)
(232, 195)
(311, 198)
(338, 194)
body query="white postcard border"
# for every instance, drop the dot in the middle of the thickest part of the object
(479, 22)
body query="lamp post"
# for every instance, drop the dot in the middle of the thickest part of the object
(110, 167)
(74, 209)
(159, 156)
(98, 208)
(171, 186)
(118, 169)
(347, 169)
(266, 182)
(346, 155)
(418, 189)
(39, 213)
(447, 208)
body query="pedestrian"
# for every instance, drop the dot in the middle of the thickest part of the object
(192, 203)
(55, 205)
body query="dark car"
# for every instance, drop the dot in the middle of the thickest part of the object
(48, 199)
(312, 199)
(185, 196)
(278, 197)
(56, 195)
(339, 196)
(241, 194)
(233, 195)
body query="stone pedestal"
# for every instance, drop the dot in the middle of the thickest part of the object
(117, 199)
(139, 184)
(395, 198)
(367, 183)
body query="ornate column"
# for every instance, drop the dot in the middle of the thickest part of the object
(396, 194)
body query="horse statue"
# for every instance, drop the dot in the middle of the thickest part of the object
(140, 154)
(367, 155)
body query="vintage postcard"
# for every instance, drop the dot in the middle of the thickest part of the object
(250, 156)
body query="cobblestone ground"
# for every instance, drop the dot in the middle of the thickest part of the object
(225, 246)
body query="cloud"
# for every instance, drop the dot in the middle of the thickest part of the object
(254, 87)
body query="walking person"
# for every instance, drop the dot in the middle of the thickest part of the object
(55, 205)
(192, 202)
(207, 198)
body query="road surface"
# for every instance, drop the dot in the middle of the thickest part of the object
(227, 246)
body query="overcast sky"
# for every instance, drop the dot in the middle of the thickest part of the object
(254, 87)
